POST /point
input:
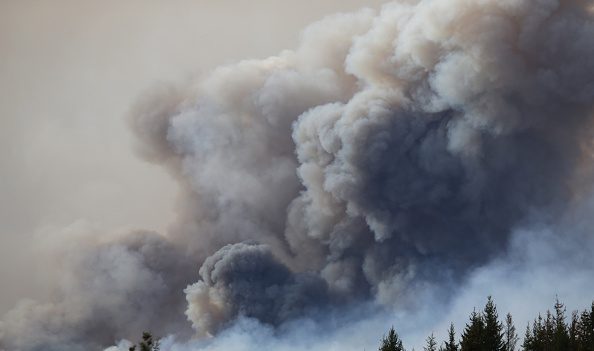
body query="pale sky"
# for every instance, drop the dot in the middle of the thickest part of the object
(70, 71)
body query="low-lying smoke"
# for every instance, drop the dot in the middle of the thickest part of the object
(389, 152)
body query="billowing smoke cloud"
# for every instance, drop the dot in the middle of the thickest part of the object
(390, 153)
(105, 289)
(256, 283)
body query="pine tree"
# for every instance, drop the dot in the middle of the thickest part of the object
(590, 329)
(573, 332)
(539, 334)
(585, 330)
(391, 342)
(472, 337)
(552, 333)
(511, 338)
(147, 343)
(549, 331)
(431, 343)
(560, 340)
(528, 344)
(493, 336)
(451, 344)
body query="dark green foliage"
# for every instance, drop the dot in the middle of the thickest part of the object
(147, 343)
(472, 336)
(560, 337)
(551, 333)
(528, 343)
(585, 330)
(391, 342)
(484, 332)
(450, 344)
(511, 338)
(431, 344)
(554, 334)
(493, 333)
(573, 337)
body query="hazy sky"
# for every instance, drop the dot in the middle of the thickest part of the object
(69, 73)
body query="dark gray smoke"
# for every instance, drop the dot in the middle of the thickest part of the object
(388, 151)
(258, 285)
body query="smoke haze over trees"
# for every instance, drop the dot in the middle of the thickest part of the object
(395, 161)
(485, 332)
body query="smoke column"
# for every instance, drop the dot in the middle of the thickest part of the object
(393, 157)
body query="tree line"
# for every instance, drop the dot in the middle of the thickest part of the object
(485, 332)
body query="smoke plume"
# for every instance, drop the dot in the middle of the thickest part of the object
(391, 155)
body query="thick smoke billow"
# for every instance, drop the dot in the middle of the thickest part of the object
(256, 283)
(389, 155)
